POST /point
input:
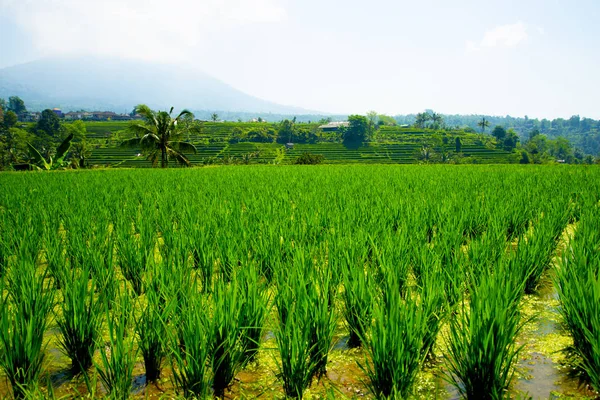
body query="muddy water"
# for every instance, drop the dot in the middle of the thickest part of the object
(542, 371)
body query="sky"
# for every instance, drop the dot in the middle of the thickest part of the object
(538, 58)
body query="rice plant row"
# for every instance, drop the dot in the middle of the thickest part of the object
(192, 276)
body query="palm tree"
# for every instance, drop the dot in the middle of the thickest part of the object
(437, 120)
(484, 123)
(160, 135)
(422, 119)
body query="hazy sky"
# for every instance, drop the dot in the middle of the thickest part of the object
(527, 57)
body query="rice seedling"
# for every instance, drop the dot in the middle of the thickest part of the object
(225, 348)
(201, 250)
(322, 320)
(4, 256)
(56, 261)
(190, 350)
(434, 304)
(80, 320)
(294, 332)
(133, 258)
(578, 284)
(119, 355)
(254, 310)
(481, 342)
(26, 307)
(394, 343)
(152, 330)
(357, 295)
(405, 257)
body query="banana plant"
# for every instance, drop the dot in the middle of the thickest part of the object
(42, 163)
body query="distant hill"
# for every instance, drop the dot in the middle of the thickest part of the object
(90, 83)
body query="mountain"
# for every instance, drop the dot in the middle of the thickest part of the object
(74, 83)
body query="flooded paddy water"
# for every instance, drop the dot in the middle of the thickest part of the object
(542, 371)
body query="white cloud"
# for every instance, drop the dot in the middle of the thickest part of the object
(506, 36)
(147, 29)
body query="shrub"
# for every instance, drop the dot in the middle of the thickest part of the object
(309, 159)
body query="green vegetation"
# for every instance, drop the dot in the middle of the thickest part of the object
(310, 159)
(160, 136)
(374, 138)
(237, 281)
(579, 291)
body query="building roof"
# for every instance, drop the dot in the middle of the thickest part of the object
(333, 125)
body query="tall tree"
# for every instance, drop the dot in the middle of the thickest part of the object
(358, 129)
(161, 137)
(484, 123)
(49, 123)
(437, 120)
(458, 145)
(214, 117)
(372, 117)
(16, 105)
(499, 133)
(10, 119)
(286, 130)
(422, 119)
(511, 140)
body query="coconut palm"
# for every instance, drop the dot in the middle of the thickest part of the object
(437, 120)
(160, 136)
(484, 123)
(422, 119)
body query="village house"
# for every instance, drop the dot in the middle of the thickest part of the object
(334, 126)
(75, 115)
(30, 117)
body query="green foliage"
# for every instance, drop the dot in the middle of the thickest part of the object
(9, 120)
(499, 133)
(458, 144)
(80, 321)
(578, 285)
(151, 327)
(481, 344)
(358, 131)
(394, 343)
(253, 312)
(184, 263)
(118, 358)
(49, 123)
(40, 162)
(16, 105)
(307, 158)
(293, 335)
(26, 306)
(357, 296)
(484, 123)
(191, 348)
(226, 351)
(160, 137)
(286, 130)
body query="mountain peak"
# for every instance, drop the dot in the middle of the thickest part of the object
(96, 83)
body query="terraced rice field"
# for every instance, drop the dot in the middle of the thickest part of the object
(402, 146)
